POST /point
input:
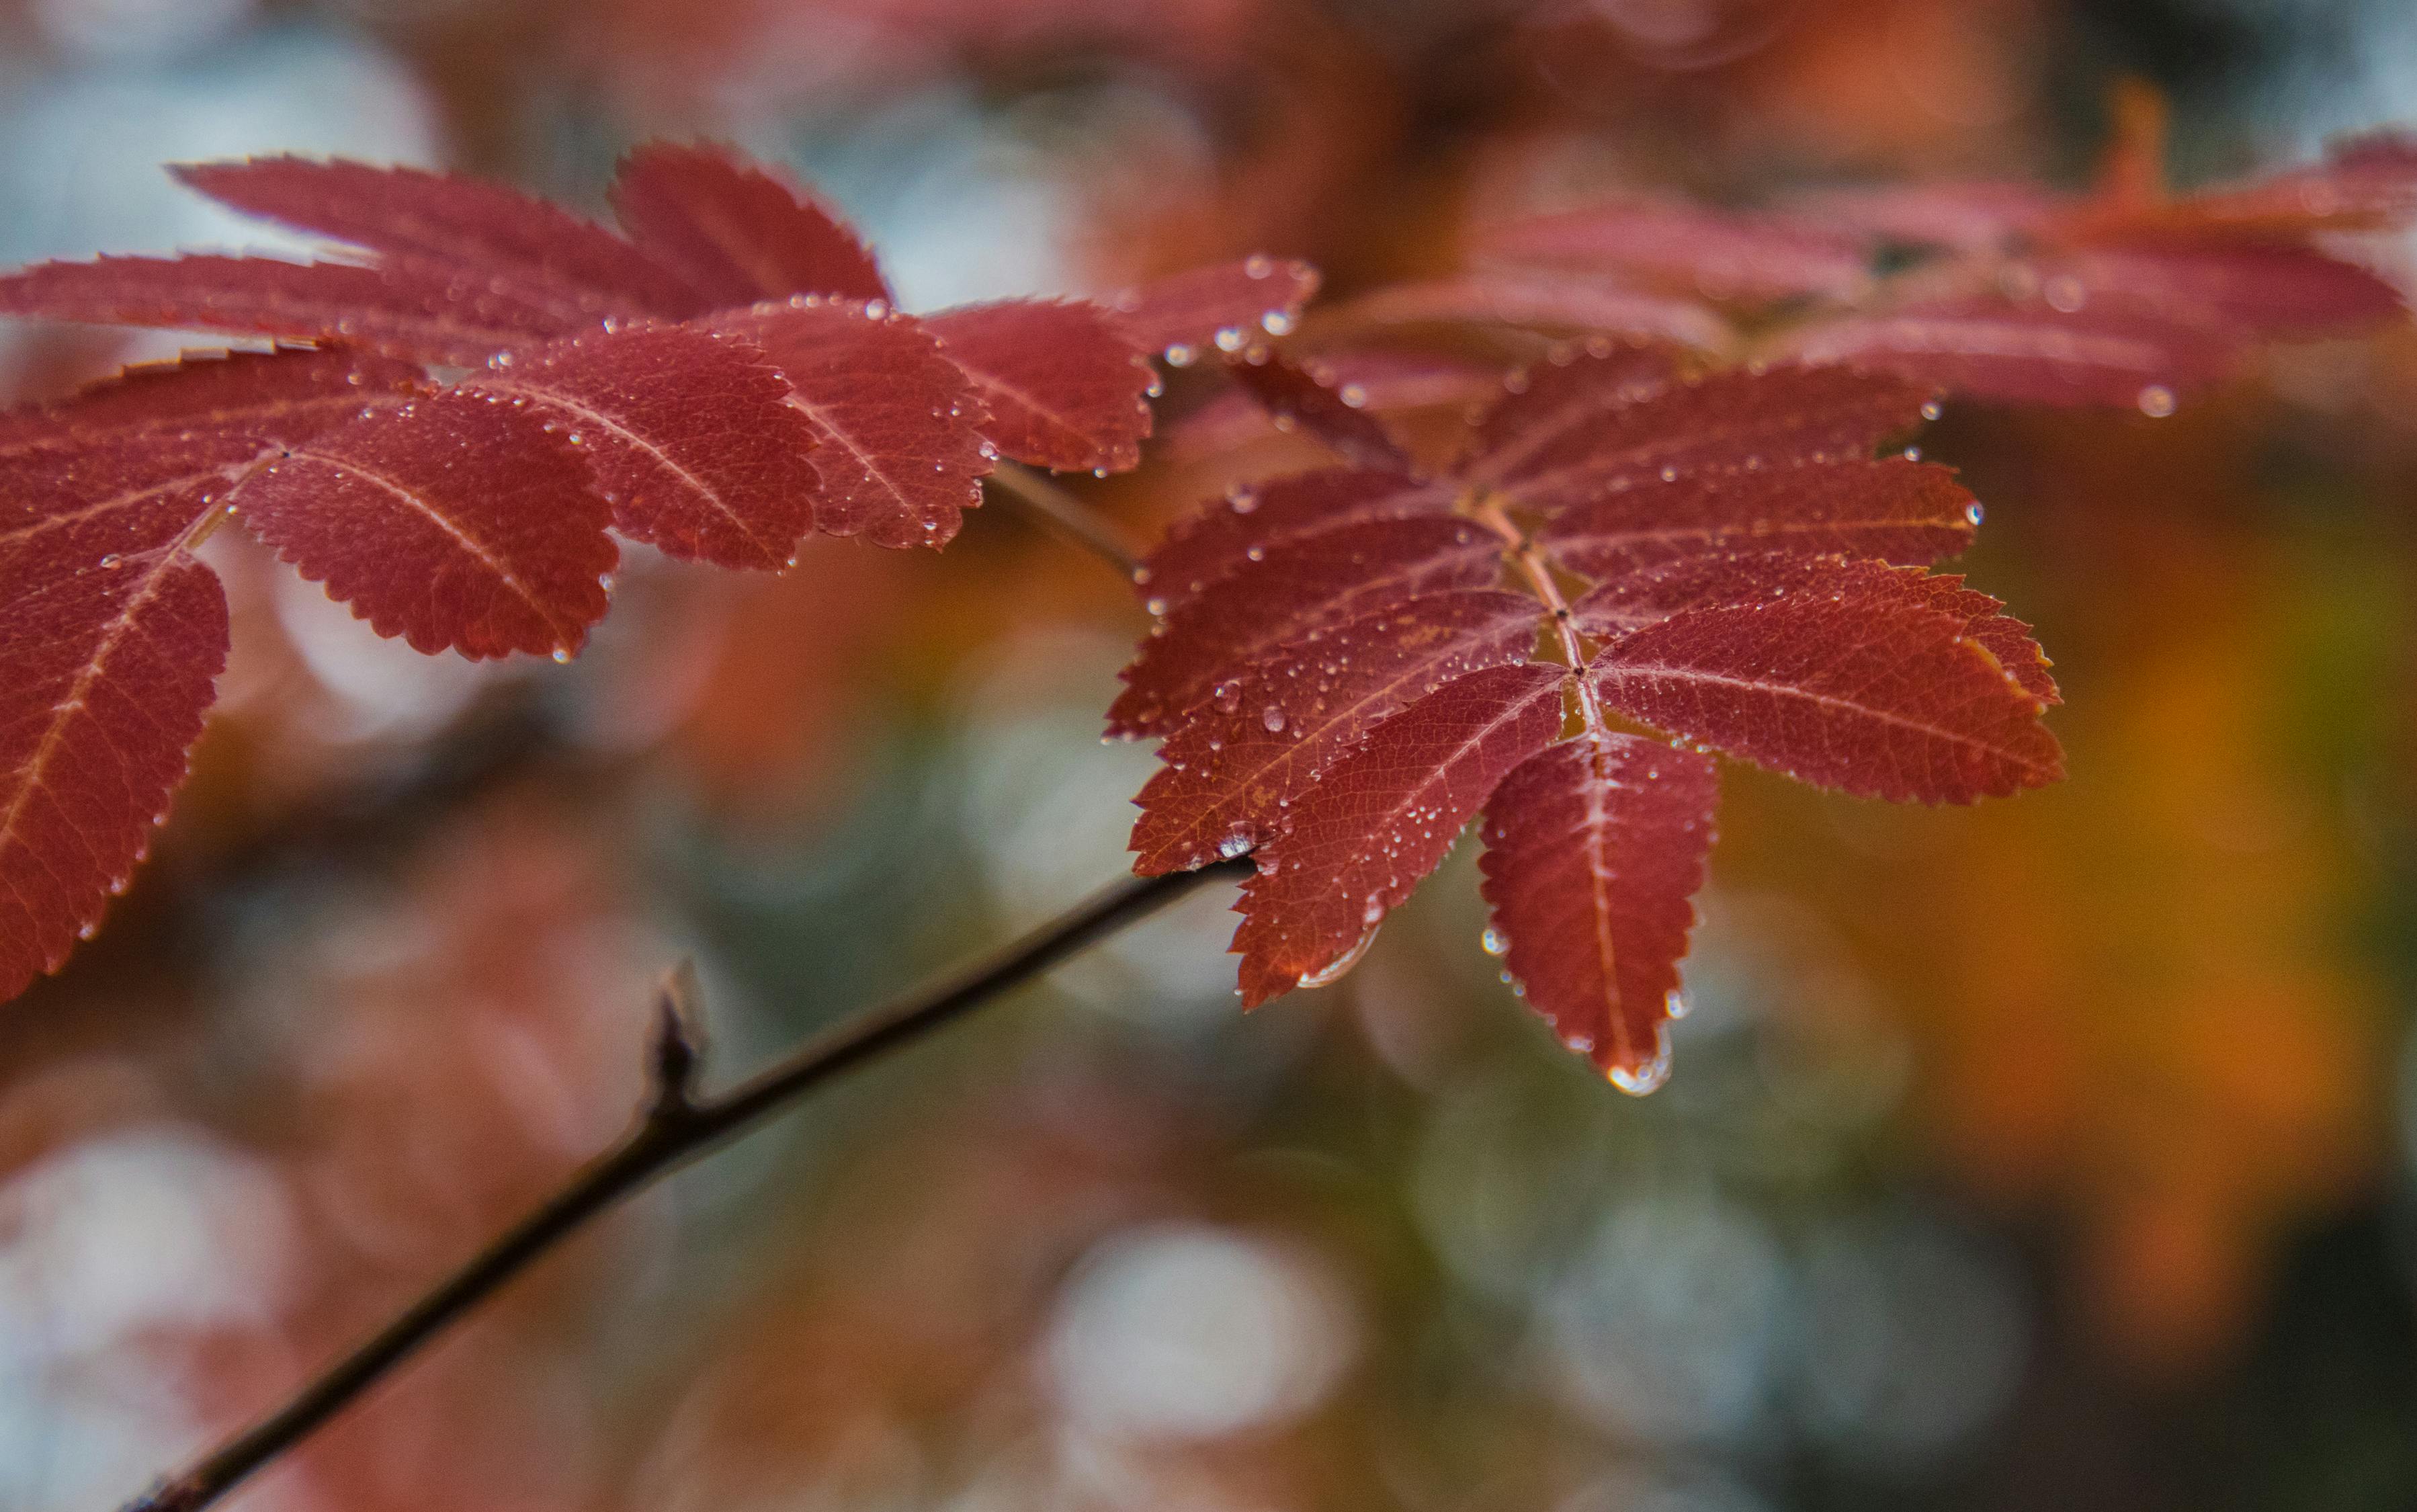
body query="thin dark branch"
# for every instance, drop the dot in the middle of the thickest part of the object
(672, 1129)
(1068, 515)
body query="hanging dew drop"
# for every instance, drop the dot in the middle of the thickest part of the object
(1334, 971)
(1974, 514)
(1275, 322)
(1230, 339)
(1179, 356)
(1647, 1075)
(1494, 941)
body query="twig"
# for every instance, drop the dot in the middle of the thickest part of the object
(674, 1128)
(1068, 515)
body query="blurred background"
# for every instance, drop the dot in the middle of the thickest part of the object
(2053, 1153)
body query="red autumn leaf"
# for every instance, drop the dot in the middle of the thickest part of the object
(129, 467)
(689, 434)
(1721, 254)
(1287, 593)
(637, 384)
(1549, 300)
(264, 395)
(2253, 288)
(1563, 399)
(737, 233)
(454, 520)
(1728, 421)
(896, 423)
(1646, 595)
(2126, 295)
(2029, 352)
(1966, 216)
(1891, 509)
(1061, 386)
(112, 632)
(1855, 680)
(1592, 849)
(110, 669)
(1203, 308)
(1341, 676)
(410, 312)
(1394, 382)
(1205, 547)
(1356, 844)
(1312, 397)
(1264, 735)
(2364, 183)
(438, 221)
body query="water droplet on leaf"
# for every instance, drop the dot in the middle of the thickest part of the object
(1334, 971)
(1647, 1075)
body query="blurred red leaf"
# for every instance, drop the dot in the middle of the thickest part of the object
(1671, 243)
(1547, 300)
(2127, 295)
(1183, 314)
(1315, 398)
(2029, 353)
